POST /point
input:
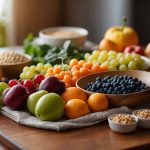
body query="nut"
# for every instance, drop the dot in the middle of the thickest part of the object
(123, 119)
(11, 57)
(143, 114)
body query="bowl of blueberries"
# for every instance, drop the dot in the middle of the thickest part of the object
(123, 88)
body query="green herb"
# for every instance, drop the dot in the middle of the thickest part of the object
(51, 54)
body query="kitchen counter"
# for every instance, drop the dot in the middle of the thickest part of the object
(91, 138)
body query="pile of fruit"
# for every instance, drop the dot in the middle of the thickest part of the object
(116, 61)
(117, 85)
(48, 87)
(50, 100)
(76, 69)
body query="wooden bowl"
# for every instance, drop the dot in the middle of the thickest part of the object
(13, 70)
(116, 100)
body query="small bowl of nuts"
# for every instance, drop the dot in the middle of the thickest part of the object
(143, 116)
(12, 63)
(122, 123)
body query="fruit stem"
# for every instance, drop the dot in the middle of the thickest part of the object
(124, 20)
(62, 63)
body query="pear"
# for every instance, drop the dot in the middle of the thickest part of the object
(50, 107)
(33, 99)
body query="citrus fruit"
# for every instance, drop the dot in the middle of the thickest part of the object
(76, 108)
(97, 102)
(73, 93)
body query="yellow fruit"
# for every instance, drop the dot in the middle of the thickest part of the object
(98, 102)
(75, 108)
(147, 50)
(73, 93)
(122, 35)
(106, 44)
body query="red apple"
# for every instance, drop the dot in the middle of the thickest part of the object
(134, 49)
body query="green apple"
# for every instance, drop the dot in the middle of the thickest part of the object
(3, 86)
(50, 107)
(33, 99)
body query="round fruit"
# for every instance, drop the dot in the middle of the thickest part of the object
(12, 82)
(97, 102)
(122, 35)
(3, 86)
(52, 84)
(76, 108)
(16, 97)
(39, 78)
(49, 107)
(107, 44)
(33, 99)
(73, 93)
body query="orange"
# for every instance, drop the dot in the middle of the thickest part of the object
(73, 93)
(98, 102)
(107, 44)
(76, 108)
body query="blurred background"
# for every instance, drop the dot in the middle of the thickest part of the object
(20, 17)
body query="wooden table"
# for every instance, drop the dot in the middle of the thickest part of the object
(91, 138)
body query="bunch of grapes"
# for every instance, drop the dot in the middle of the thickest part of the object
(30, 72)
(116, 61)
(74, 71)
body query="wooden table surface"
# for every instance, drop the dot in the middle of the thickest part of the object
(91, 138)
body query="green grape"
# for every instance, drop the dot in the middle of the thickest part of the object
(86, 56)
(122, 61)
(22, 76)
(101, 59)
(112, 68)
(106, 63)
(95, 62)
(114, 62)
(104, 53)
(132, 65)
(33, 68)
(25, 69)
(128, 57)
(90, 59)
(39, 67)
(119, 55)
(47, 66)
(29, 75)
(123, 67)
(43, 71)
(111, 58)
(136, 56)
(112, 54)
(95, 54)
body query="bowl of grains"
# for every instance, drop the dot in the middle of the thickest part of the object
(12, 63)
(122, 123)
(143, 116)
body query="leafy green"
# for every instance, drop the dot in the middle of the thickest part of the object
(51, 54)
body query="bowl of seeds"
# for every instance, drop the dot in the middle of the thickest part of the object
(12, 63)
(122, 123)
(143, 116)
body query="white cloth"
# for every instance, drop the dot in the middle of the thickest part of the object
(27, 119)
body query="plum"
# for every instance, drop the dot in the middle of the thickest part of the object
(52, 84)
(16, 97)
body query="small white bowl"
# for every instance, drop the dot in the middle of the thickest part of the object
(122, 128)
(142, 122)
(49, 39)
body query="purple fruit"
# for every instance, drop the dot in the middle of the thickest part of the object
(5, 92)
(16, 97)
(52, 84)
